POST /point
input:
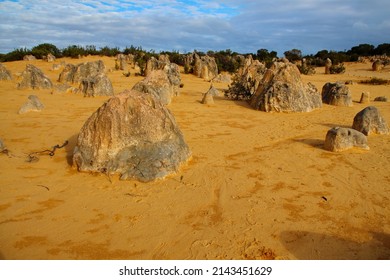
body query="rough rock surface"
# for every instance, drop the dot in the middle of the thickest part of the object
(223, 78)
(282, 90)
(132, 134)
(4, 73)
(121, 61)
(247, 79)
(163, 79)
(337, 94)
(90, 76)
(339, 139)
(328, 65)
(365, 97)
(29, 57)
(34, 78)
(208, 98)
(33, 104)
(369, 120)
(213, 91)
(381, 99)
(377, 65)
(2, 146)
(50, 58)
(205, 67)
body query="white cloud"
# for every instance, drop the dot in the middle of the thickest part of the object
(240, 25)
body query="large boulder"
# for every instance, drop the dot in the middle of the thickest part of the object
(337, 94)
(132, 134)
(4, 73)
(282, 90)
(339, 139)
(205, 67)
(90, 76)
(33, 104)
(369, 120)
(34, 78)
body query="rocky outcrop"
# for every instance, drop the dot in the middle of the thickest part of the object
(337, 94)
(282, 90)
(205, 67)
(5, 75)
(50, 58)
(32, 105)
(163, 79)
(247, 79)
(339, 139)
(34, 78)
(90, 76)
(369, 121)
(132, 134)
(328, 65)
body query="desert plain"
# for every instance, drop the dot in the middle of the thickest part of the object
(258, 186)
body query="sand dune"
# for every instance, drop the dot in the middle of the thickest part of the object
(259, 185)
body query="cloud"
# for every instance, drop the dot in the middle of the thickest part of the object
(184, 25)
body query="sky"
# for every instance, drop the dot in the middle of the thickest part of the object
(177, 25)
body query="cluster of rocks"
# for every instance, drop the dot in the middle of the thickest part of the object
(366, 122)
(90, 77)
(132, 134)
(162, 79)
(203, 67)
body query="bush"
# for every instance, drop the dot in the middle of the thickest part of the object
(16, 54)
(376, 81)
(306, 70)
(44, 49)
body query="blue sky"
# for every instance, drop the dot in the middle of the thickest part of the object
(243, 26)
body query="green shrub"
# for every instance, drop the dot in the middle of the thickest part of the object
(337, 69)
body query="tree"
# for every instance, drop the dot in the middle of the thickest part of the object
(44, 49)
(362, 50)
(293, 55)
(382, 49)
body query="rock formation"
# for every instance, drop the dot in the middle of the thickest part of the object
(33, 104)
(4, 73)
(377, 65)
(247, 79)
(90, 76)
(369, 121)
(223, 78)
(337, 94)
(163, 79)
(121, 61)
(365, 97)
(282, 90)
(132, 134)
(208, 98)
(50, 58)
(34, 78)
(381, 99)
(213, 91)
(328, 65)
(29, 57)
(339, 139)
(205, 67)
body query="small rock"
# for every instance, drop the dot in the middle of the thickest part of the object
(4, 73)
(2, 146)
(365, 98)
(208, 98)
(369, 120)
(33, 104)
(381, 99)
(339, 139)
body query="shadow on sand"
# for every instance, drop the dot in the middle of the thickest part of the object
(72, 141)
(315, 246)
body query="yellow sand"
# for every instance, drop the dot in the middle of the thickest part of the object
(259, 186)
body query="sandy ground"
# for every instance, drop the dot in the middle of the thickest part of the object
(259, 186)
